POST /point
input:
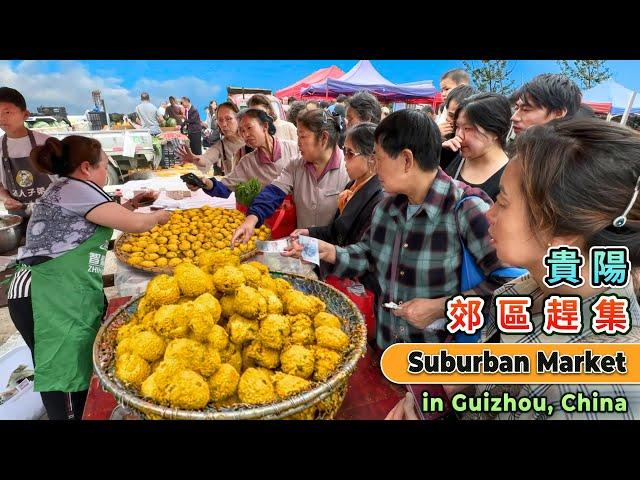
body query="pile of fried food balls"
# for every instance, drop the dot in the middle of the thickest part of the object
(188, 234)
(223, 333)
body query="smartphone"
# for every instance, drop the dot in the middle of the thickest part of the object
(192, 179)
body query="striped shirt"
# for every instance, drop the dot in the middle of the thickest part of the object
(420, 256)
(527, 286)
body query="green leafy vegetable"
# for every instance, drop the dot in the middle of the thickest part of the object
(247, 191)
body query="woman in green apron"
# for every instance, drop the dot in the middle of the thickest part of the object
(56, 297)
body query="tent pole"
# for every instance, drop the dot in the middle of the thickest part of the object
(609, 115)
(625, 116)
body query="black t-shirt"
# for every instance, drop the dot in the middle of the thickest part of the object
(491, 187)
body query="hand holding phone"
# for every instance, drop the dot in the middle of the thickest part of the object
(192, 179)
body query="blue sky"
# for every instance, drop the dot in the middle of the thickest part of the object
(69, 83)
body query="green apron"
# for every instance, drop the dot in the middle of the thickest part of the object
(68, 303)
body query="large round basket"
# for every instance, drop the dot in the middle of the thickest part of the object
(123, 256)
(325, 396)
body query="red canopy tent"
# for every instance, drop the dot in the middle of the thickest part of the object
(599, 107)
(318, 76)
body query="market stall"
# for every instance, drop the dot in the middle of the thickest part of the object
(295, 89)
(364, 76)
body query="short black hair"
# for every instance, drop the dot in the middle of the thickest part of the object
(366, 106)
(491, 111)
(294, 110)
(187, 99)
(144, 96)
(459, 94)
(427, 109)
(324, 104)
(412, 130)
(363, 137)
(551, 91)
(11, 95)
(458, 75)
(341, 98)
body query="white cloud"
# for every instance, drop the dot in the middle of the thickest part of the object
(70, 85)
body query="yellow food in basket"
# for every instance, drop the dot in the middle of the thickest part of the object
(191, 234)
(225, 334)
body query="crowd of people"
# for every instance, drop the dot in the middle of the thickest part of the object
(395, 200)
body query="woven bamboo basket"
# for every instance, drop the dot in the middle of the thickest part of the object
(321, 401)
(123, 256)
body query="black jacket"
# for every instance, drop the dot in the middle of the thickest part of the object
(349, 227)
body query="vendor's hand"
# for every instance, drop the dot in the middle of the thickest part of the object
(454, 144)
(299, 231)
(148, 196)
(421, 312)
(404, 409)
(295, 249)
(445, 128)
(186, 155)
(161, 216)
(245, 231)
(13, 204)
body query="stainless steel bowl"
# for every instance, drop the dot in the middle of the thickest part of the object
(10, 232)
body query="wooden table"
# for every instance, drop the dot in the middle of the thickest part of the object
(370, 396)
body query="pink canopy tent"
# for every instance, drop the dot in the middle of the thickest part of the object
(321, 75)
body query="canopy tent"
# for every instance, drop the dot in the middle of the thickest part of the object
(434, 101)
(295, 89)
(364, 76)
(610, 92)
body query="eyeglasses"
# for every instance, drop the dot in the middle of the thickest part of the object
(349, 154)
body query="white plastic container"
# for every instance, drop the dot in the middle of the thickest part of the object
(26, 404)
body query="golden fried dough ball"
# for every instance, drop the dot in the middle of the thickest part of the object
(287, 385)
(264, 356)
(188, 390)
(162, 290)
(228, 279)
(281, 286)
(200, 320)
(242, 330)
(255, 388)
(273, 331)
(326, 362)
(274, 305)
(192, 281)
(252, 275)
(224, 383)
(298, 360)
(212, 260)
(211, 304)
(333, 338)
(218, 338)
(228, 305)
(132, 369)
(249, 303)
(171, 321)
(325, 319)
(302, 332)
(147, 345)
(264, 270)
(297, 302)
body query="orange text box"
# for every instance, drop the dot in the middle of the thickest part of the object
(617, 362)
